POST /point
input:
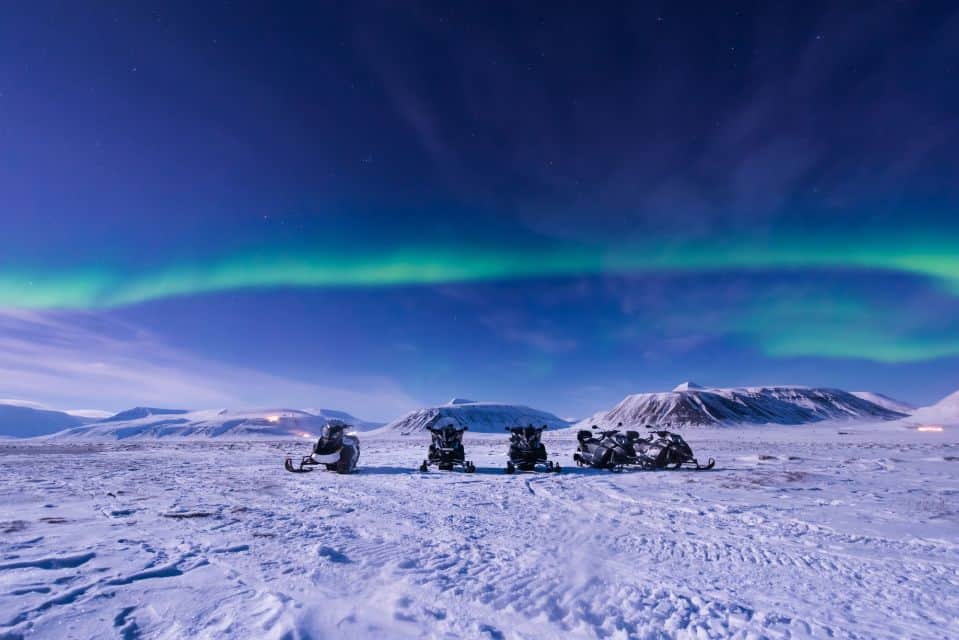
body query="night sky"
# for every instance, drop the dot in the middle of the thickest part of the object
(376, 206)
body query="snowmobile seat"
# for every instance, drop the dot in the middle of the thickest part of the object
(583, 435)
(326, 447)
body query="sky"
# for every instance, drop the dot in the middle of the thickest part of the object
(379, 206)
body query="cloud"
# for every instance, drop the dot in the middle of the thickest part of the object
(518, 328)
(18, 402)
(88, 359)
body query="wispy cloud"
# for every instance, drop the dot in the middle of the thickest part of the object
(83, 359)
(517, 328)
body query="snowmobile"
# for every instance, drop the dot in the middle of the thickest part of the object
(607, 449)
(526, 451)
(336, 449)
(446, 450)
(667, 450)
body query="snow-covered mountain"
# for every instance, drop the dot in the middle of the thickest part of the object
(690, 405)
(138, 413)
(150, 422)
(885, 401)
(946, 410)
(481, 417)
(22, 421)
(333, 414)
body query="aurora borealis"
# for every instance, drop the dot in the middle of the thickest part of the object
(578, 202)
(933, 257)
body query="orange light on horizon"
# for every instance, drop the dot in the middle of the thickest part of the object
(929, 427)
(273, 419)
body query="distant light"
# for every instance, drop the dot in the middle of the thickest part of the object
(929, 427)
(304, 434)
(273, 418)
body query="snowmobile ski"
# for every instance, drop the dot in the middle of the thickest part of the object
(305, 467)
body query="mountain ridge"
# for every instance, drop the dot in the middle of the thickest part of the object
(479, 417)
(24, 421)
(706, 407)
(150, 422)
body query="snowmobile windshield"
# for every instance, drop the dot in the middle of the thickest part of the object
(528, 435)
(448, 436)
(332, 432)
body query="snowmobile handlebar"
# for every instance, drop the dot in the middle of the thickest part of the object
(441, 429)
(607, 433)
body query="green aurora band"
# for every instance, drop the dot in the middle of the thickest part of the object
(83, 288)
(834, 325)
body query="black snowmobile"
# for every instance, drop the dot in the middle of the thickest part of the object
(526, 451)
(446, 450)
(667, 450)
(336, 449)
(607, 449)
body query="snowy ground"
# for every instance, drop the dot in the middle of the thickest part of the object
(799, 532)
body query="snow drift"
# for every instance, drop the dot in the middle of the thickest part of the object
(690, 405)
(482, 417)
(149, 422)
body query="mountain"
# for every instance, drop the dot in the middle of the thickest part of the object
(946, 410)
(694, 406)
(333, 414)
(885, 401)
(150, 422)
(480, 417)
(137, 413)
(22, 421)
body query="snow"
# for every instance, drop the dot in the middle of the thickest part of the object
(825, 531)
(93, 414)
(693, 406)
(480, 417)
(138, 413)
(343, 416)
(687, 386)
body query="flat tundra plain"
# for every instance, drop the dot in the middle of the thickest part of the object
(799, 532)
